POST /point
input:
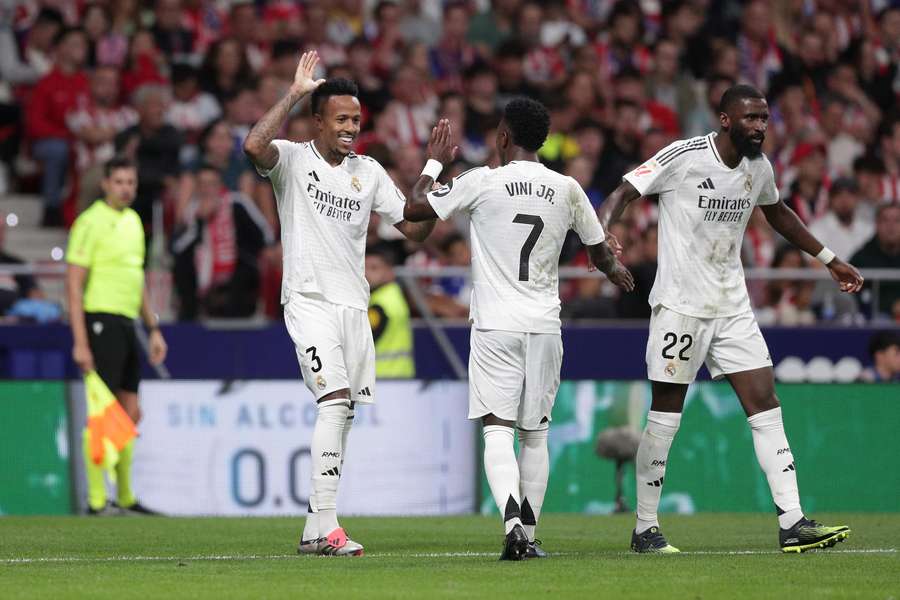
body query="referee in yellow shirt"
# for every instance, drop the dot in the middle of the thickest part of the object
(105, 288)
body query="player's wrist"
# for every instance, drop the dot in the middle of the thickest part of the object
(433, 168)
(826, 256)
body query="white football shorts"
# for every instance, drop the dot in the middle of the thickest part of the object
(679, 344)
(334, 346)
(514, 376)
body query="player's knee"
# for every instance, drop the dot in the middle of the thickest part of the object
(341, 394)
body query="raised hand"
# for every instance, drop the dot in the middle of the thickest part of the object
(303, 78)
(440, 146)
(846, 275)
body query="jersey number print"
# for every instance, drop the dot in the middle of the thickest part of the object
(537, 225)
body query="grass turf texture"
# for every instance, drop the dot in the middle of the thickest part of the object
(145, 557)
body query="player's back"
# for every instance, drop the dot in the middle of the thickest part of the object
(519, 221)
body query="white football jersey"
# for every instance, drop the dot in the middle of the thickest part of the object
(520, 214)
(704, 207)
(324, 212)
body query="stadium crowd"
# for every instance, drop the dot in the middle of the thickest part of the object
(176, 85)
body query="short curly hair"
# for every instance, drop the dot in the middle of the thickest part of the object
(338, 86)
(736, 93)
(529, 122)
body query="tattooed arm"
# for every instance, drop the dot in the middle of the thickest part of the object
(258, 145)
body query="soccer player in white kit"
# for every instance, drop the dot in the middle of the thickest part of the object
(708, 186)
(520, 215)
(325, 194)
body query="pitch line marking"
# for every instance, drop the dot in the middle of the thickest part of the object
(222, 557)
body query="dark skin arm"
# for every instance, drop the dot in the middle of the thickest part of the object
(605, 260)
(614, 207)
(786, 222)
(441, 149)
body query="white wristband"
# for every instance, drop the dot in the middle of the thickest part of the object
(825, 256)
(433, 168)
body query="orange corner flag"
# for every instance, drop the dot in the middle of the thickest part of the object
(109, 427)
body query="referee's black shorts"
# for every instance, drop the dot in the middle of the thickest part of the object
(114, 345)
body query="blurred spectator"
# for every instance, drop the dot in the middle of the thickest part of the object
(14, 287)
(217, 149)
(191, 109)
(389, 318)
(884, 348)
(226, 68)
(245, 27)
(386, 37)
(54, 96)
(788, 302)
(217, 247)
(667, 84)
(883, 252)
(450, 296)
(509, 66)
(839, 228)
(417, 25)
(373, 93)
(172, 38)
(482, 112)
(453, 54)
(637, 305)
(411, 114)
(760, 58)
(95, 121)
(154, 145)
(808, 194)
(490, 28)
(890, 148)
(41, 40)
(316, 38)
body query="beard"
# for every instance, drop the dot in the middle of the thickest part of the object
(744, 144)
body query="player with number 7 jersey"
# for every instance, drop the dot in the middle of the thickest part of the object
(520, 214)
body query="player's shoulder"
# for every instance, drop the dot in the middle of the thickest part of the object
(682, 150)
(365, 163)
(473, 173)
(761, 164)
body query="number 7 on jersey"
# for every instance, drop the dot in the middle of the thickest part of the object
(537, 225)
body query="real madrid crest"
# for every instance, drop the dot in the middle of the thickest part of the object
(748, 183)
(320, 382)
(355, 184)
(670, 369)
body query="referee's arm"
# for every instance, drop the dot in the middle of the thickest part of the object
(76, 275)
(158, 347)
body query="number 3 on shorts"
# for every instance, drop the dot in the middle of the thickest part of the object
(671, 339)
(317, 362)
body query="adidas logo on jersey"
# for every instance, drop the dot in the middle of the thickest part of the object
(706, 185)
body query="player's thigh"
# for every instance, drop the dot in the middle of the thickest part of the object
(110, 347)
(736, 346)
(315, 329)
(676, 346)
(543, 361)
(359, 354)
(496, 373)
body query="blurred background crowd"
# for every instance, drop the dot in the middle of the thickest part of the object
(176, 85)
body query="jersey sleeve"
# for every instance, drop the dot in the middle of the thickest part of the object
(584, 217)
(389, 200)
(288, 154)
(460, 194)
(769, 192)
(659, 173)
(82, 243)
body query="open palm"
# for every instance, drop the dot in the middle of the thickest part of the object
(303, 78)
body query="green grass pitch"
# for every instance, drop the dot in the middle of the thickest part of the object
(724, 556)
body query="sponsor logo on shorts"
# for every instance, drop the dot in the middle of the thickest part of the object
(320, 382)
(670, 369)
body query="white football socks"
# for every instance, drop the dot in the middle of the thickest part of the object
(502, 473)
(534, 470)
(777, 462)
(311, 527)
(650, 465)
(326, 449)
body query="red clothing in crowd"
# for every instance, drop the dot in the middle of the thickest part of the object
(54, 96)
